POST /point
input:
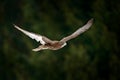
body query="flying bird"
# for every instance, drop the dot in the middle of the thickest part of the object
(46, 43)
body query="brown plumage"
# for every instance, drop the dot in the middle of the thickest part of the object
(53, 44)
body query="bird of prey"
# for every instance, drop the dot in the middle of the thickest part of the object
(46, 43)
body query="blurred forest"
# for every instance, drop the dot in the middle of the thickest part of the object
(94, 55)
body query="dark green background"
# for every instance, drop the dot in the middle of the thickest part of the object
(93, 55)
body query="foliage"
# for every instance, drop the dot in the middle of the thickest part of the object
(93, 55)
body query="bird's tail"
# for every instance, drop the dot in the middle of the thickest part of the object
(41, 47)
(36, 49)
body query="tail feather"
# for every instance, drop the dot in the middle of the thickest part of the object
(41, 47)
(36, 49)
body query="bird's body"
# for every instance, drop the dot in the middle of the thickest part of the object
(53, 44)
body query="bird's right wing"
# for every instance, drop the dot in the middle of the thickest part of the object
(42, 39)
(79, 31)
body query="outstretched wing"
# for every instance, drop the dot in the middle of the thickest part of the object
(79, 31)
(42, 39)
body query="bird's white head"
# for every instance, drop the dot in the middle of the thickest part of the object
(64, 44)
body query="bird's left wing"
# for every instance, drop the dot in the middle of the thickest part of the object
(79, 31)
(37, 37)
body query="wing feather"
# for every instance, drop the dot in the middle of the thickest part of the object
(79, 31)
(37, 37)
